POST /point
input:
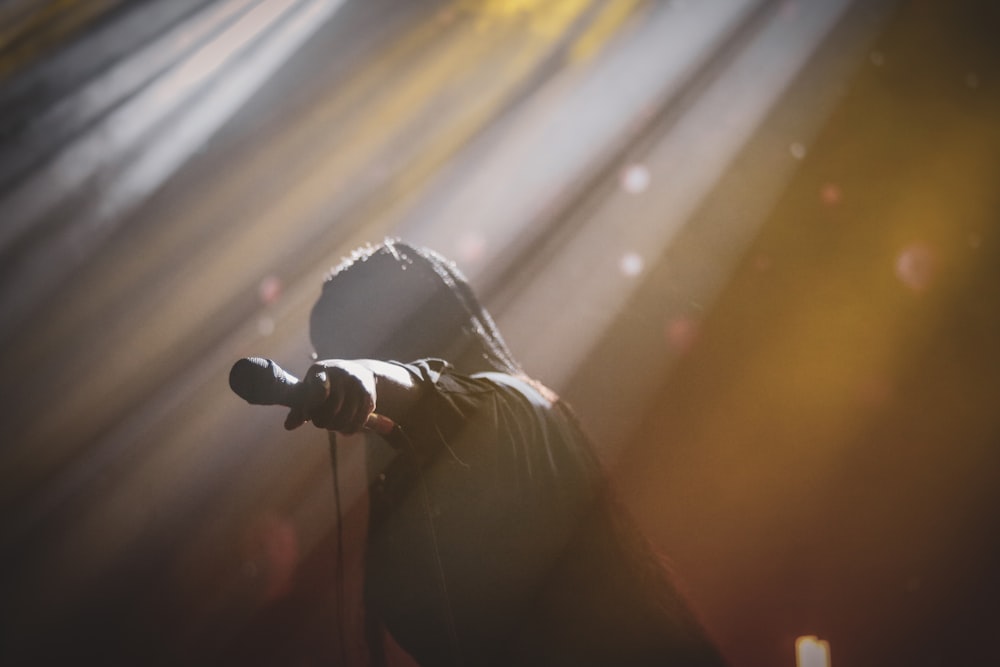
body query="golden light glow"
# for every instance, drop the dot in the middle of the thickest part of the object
(546, 18)
(605, 25)
(812, 652)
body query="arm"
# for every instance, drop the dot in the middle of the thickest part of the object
(347, 392)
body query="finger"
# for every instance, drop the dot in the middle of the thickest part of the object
(341, 421)
(294, 419)
(354, 409)
(323, 401)
(316, 389)
(380, 424)
(328, 415)
(358, 416)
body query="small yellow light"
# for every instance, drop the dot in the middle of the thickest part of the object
(812, 652)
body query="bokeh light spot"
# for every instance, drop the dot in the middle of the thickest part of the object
(631, 264)
(635, 179)
(830, 194)
(811, 651)
(470, 247)
(762, 262)
(681, 332)
(269, 290)
(798, 150)
(916, 266)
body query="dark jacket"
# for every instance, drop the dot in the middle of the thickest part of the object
(494, 537)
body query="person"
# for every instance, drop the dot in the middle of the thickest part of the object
(494, 535)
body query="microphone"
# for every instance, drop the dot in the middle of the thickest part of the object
(262, 382)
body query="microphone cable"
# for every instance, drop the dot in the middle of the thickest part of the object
(449, 612)
(338, 584)
(398, 435)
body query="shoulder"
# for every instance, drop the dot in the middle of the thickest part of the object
(532, 389)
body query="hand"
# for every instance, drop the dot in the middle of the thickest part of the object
(338, 395)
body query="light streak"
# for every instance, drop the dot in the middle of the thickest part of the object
(137, 147)
(604, 27)
(689, 160)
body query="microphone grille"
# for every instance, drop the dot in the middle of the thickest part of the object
(251, 378)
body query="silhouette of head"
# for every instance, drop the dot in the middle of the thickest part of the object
(398, 302)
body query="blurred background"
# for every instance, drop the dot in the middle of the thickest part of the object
(753, 242)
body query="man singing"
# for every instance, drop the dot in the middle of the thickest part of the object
(494, 536)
